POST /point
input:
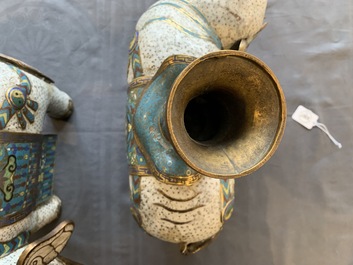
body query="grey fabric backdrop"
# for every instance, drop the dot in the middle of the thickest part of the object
(297, 209)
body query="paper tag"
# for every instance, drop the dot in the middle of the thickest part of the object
(309, 119)
(305, 117)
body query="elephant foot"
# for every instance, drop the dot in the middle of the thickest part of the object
(192, 248)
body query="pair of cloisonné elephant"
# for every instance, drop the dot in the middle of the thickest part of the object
(173, 198)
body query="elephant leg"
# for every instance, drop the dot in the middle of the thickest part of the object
(60, 105)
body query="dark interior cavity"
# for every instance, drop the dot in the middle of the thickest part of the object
(215, 116)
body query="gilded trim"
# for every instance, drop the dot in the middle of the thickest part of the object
(174, 59)
(25, 67)
(145, 171)
(139, 82)
(139, 170)
(279, 130)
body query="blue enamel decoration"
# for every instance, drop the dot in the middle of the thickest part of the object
(26, 174)
(149, 125)
(16, 102)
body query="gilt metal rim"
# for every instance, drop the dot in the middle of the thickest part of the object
(280, 128)
(25, 67)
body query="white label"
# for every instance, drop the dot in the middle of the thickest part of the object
(309, 119)
(305, 117)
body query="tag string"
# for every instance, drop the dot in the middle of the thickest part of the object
(325, 130)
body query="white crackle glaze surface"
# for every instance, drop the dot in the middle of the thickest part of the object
(47, 95)
(43, 215)
(232, 21)
(13, 258)
(296, 209)
(201, 201)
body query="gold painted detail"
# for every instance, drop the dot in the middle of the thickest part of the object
(136, 170)
(175, 59)
(139, 82)
(178, 180)
(240, 87)
(144, 171)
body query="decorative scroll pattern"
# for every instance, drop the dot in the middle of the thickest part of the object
(7, 166)
(17, 102)
(46, 249)
(32, 155)
(15, 243)
(26, 152)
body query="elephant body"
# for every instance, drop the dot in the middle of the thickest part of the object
(26, 156)
(171, 201)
